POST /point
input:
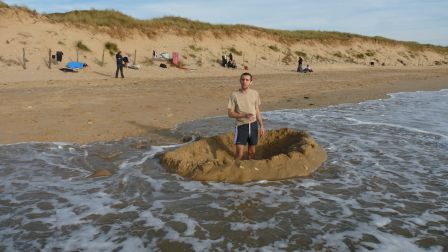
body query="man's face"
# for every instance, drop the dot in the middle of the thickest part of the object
(245, 82)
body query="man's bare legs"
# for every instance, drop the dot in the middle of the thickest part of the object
(251, 151)
(239, 152)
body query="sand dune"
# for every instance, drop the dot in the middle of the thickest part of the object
(25, 31)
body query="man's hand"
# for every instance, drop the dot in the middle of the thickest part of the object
(248, 115)
(261, 131)
(233, 114)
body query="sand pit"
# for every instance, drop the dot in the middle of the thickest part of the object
(281, 154)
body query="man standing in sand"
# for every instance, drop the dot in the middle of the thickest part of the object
(244, 106)
(299, 68)
(120, 64)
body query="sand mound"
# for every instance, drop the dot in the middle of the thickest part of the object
(281, 154)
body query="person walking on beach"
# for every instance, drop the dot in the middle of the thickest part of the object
(244, 106)
(300, 67)
(120, 64)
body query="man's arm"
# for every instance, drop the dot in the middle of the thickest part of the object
(232, 114)
(260, 120)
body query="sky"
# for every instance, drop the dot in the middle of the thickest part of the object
(424, 21)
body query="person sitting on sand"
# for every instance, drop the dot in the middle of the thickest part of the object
(231, 64)
(244, 106)
(224, 60)
(307, 69)
(126, 61)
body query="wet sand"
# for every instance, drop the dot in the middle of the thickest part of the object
(101, 109)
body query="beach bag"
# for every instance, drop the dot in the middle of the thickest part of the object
(163, 65)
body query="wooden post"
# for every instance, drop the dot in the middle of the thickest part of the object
(255, 60)
(77, 55)
(49, 58)
(135, 56)
(102, 61)
(24, 59)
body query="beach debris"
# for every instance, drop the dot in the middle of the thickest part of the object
(112, 155)
(186, 139)
(140, 145)
(100, 173)
(281, 154)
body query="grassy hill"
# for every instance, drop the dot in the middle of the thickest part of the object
(115, 20)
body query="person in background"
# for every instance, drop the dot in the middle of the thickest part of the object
(299, 68)
(224, 60)
(120, 64)
(307, 69)
(125, 61)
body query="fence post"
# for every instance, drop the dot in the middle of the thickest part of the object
(102, 60)
(24, 59)
(135, 56)
(49, 58)
(77, 55)
(255, 60)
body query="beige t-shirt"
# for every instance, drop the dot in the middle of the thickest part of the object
(244, 102)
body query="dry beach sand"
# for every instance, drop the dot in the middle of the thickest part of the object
(87, 107)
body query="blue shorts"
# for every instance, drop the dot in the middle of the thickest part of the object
(246, 134)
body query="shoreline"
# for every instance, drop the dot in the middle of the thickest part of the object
(90, 110)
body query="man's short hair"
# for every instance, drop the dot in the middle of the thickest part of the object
(247, 74)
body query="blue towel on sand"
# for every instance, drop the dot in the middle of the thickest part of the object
(75, 65)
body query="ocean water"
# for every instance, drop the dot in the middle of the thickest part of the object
(384, 187)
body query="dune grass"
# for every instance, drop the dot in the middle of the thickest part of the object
(111, 47)
(10, 62)
(287, 58)
(3, 5)
(235, 51)
(120, 25)
(359, 56)
(300, 54)
(81, 46)
(274, 48)
(195, 48)
(33, 13)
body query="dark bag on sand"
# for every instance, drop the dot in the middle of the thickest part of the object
(163, 65)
